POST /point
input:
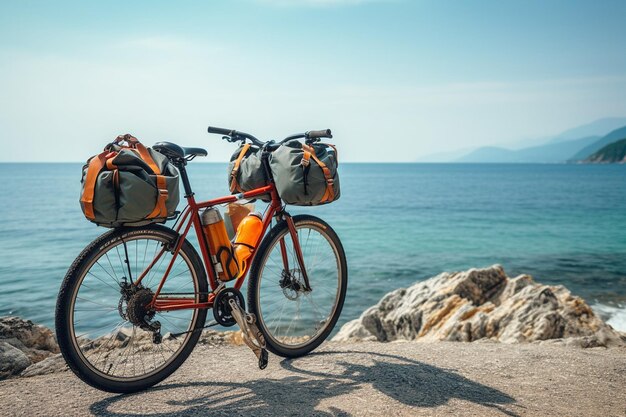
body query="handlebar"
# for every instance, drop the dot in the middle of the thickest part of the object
(219, 130)
(313, 134)
(234, 136)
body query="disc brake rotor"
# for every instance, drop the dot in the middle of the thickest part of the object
(292, 284)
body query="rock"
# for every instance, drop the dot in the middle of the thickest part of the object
(12, 360)
(52, 364)
(36, 341)
(478, 304)
(33, 342)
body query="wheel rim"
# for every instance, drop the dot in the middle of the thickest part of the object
(109, 344)
(292, 317)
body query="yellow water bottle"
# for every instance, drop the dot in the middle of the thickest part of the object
(246, 239)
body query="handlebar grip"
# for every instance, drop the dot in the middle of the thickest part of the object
(313, 134)
(220, 130)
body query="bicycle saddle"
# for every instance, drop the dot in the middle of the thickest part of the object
(172, 150)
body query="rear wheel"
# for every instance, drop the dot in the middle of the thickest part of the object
(107, 335)
(293, 320)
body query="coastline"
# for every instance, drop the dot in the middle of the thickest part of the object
(583, 371)
(478, 305)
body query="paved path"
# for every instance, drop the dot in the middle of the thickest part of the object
(480, 379)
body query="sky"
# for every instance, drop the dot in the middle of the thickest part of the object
(395, 80)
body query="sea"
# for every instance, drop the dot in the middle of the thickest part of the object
(399, 224)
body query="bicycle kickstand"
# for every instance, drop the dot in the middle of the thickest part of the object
(252, 336)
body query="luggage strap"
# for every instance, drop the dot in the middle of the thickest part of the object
(234, 185)
(335, 149)
(95, 166)
(105, 160)
(309, 152)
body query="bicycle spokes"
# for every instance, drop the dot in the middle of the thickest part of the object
(115, 328)
(293, 311)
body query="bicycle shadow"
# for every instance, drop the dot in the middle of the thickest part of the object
(291, 395)
(410, 382)
(407, 381)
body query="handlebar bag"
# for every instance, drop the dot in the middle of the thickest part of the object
(306, 175)
(245, 171)
(129, 185)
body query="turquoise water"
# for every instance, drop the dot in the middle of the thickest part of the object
(399, 223)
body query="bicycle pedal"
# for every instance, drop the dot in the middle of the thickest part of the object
(263, 359)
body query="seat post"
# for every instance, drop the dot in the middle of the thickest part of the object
(180, 164)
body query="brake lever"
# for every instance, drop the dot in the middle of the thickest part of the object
(232, 139)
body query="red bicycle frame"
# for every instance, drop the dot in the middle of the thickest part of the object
(191, 217)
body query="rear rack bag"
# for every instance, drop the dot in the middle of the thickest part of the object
(129, 185)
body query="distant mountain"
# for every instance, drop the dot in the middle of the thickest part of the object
(573, 144)
(553, 152)
(599, 127)
(612, 153)
(594, 147)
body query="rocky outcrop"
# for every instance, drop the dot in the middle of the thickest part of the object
(28, 349)
(482, 304)
(105, 346)
(22, 344)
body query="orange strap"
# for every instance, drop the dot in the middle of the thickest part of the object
(305, 157)
(110, 165)
(329, 195)
(145, 155)
(234, 185)
(160, 210)
(95, 166)
(335, 149)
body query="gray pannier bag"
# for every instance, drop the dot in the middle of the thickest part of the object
(245, 171)
(129, 185)
(306, 175)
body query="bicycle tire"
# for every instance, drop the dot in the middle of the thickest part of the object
(68, 290)
(268, 243)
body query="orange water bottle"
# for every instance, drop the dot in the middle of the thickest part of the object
(245, 241)
(219, 244)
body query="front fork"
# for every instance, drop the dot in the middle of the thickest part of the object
(297, 249)
(252, 336)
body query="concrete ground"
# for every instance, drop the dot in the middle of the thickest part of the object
(356, 379)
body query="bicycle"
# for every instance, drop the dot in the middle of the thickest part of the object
(122, 329)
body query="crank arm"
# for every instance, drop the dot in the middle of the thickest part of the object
(252, 336)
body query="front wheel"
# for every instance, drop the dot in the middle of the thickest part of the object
(293, 319)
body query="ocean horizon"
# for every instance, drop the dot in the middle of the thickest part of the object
(400, 223)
